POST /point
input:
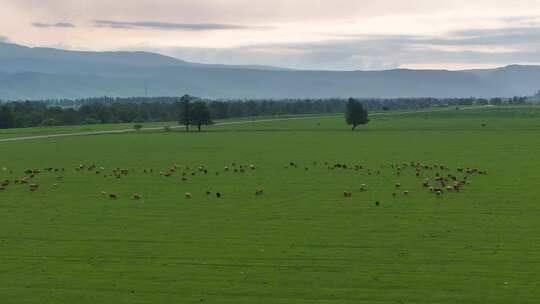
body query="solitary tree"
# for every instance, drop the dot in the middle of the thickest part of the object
(355, 114)
(201, 114)
(185, 117)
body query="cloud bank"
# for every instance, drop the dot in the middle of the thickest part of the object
(167, 25)
(53, 25)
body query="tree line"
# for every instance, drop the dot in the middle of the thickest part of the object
(160, 109)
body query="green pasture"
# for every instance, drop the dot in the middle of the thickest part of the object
(301, 241)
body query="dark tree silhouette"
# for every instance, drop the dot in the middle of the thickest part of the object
(201, 114)
(355, 114)
(185, 115)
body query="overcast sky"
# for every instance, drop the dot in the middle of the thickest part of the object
(306, 34)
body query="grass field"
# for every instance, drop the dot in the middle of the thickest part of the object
(148, 126)
(301, 241)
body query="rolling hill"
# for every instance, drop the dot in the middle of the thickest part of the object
(45, 73)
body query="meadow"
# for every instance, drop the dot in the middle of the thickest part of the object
(301, 241)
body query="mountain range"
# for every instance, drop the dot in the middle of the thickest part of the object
(47, 73)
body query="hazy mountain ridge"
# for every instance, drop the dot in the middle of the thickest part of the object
(39, 73)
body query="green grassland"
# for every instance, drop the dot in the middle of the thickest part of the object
(301, 241)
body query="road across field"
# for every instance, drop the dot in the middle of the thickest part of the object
(217, 124)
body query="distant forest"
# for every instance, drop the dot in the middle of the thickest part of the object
(22, 114)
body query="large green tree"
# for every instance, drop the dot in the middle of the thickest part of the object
(185, 113)
(355, 113)
(201, 114)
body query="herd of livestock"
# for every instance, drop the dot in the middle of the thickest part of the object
(435, 178)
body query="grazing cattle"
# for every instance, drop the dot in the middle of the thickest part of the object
(406, 192)
(252, 167)
(218, 195)
(347, 194)
(33, 187)
(188, 195)
(398, 185)
(136, 196)
(363, 188)
(113, 196)
(103, 193)
(259, 191)
(3, 188)
(377, 203)
(208, 193)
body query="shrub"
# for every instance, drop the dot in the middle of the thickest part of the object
(49, 122)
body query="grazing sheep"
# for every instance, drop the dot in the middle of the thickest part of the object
(259, 191)
(113, 196)
(136, 196)
(103, 193)
(398, 185)
(188, 195)
(347, 194)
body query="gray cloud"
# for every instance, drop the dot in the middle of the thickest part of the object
(53, 25)
(469, 37)
(380, 52)
(168, 25)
